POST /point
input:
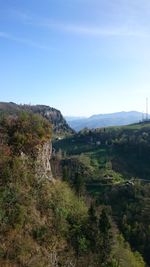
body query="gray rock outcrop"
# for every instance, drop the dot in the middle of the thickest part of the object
(43, 166)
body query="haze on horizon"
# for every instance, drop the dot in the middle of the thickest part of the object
(83, 57)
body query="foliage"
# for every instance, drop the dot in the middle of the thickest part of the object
(125, 148)
(49, 224)
(22, 133)
(135, 221)
(124, 257)
(110, 158)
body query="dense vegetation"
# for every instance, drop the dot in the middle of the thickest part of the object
(125, 150)
(46, 223)
(54, 116)
(112, 164)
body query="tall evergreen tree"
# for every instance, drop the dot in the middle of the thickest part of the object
(105, 239)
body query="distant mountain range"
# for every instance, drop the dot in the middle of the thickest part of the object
(74, 118)
(104, 120)
(68, 124)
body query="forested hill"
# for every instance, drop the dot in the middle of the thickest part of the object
(43, 221)
(113, 165)
(54, 116)
(127, 148)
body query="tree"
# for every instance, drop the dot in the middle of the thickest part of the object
(78, 184)
(105, 237)
(92, 228)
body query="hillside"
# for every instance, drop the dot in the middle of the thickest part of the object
(37, 212)
(126, 147)
(54, 116)
(43, 222)
(104, 120)
(112, 164)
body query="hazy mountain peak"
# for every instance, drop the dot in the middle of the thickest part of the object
(108, 119)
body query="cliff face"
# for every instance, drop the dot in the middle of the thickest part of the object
(54, 116)
(34, 228)
(28, 136)
(43, 167)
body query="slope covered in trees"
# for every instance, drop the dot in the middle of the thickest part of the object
(123, 149)
(54, 116)
(45, 223)
(112, 164)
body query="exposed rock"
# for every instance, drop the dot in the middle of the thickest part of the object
(43, 167)
(54, 116)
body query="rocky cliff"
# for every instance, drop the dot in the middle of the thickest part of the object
(54, 116)
(34, 212)
(28, 137)
(43, 166)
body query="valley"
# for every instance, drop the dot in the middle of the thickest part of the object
(73, 199)
(112, 165)
(75, 133)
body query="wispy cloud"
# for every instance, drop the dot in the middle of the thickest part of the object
(84, 30)
(100, 31)
(24, 41)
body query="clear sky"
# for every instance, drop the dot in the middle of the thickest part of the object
(83, 57)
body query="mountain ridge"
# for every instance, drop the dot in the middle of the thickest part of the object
(104, 120)
(54, 116)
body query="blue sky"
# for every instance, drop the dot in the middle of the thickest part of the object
(83, 57)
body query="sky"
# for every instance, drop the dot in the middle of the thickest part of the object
(82, 57)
